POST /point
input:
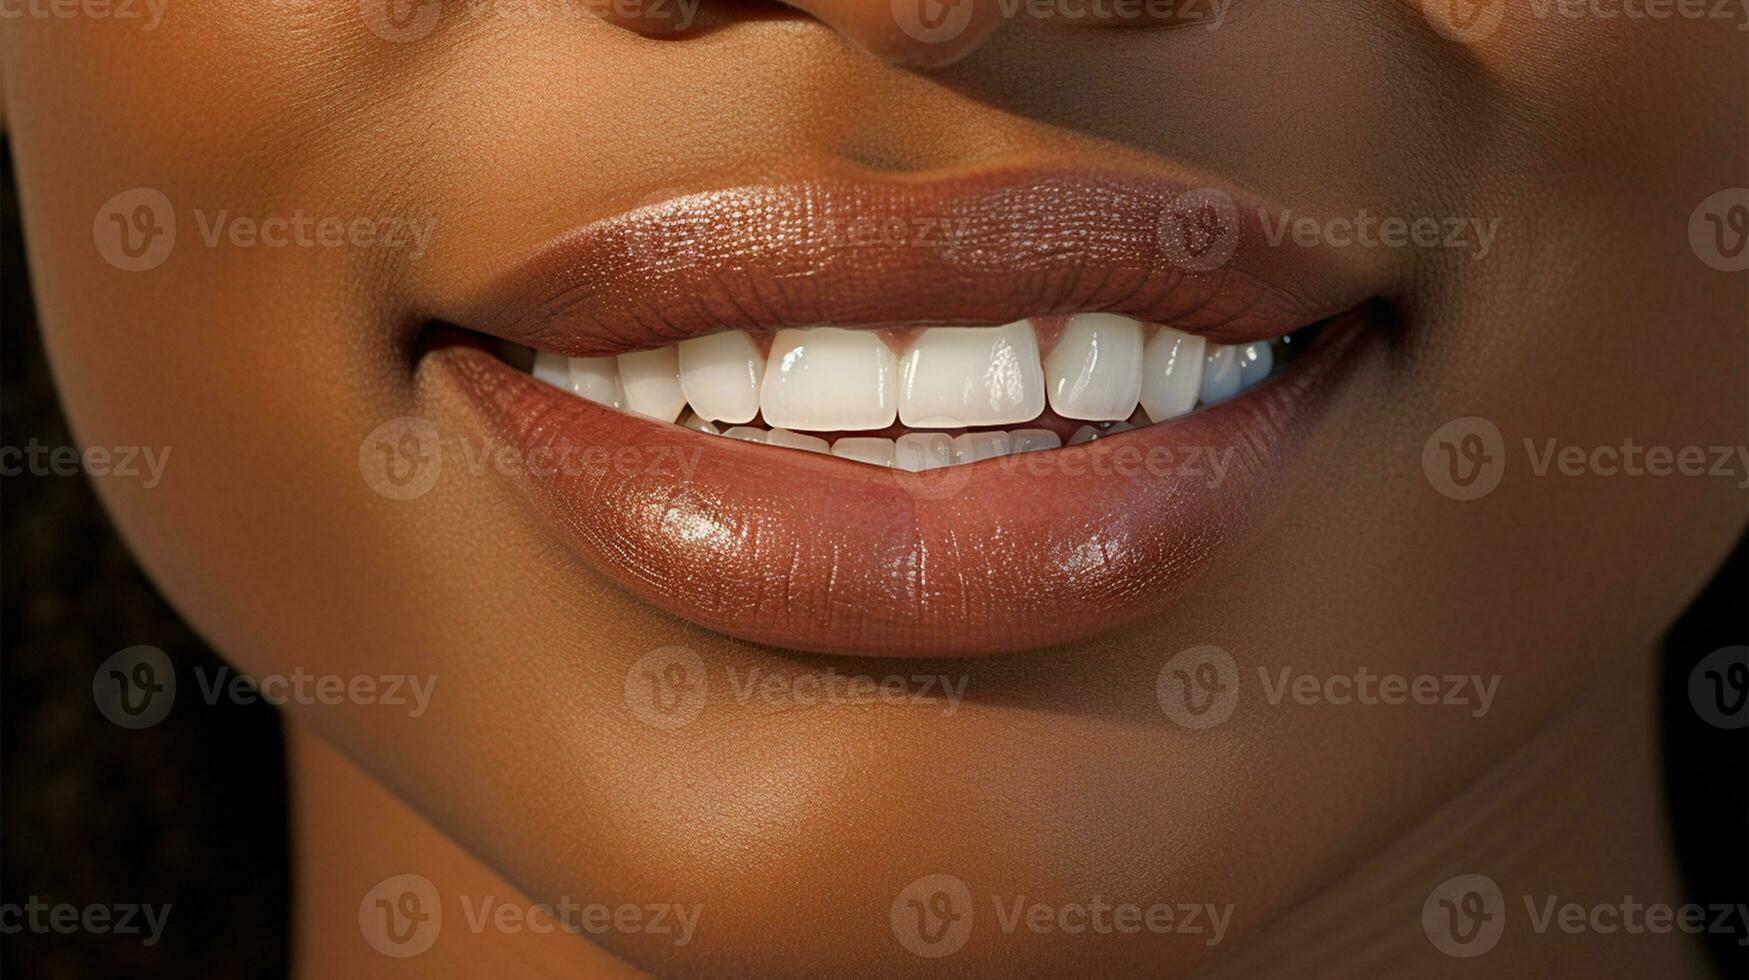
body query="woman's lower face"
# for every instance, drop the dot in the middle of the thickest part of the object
(493, 350)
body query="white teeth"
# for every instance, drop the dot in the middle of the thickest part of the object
(1220, 374)
(597, 379)
(827, 379)
(919, 451)
(651, 379)
(692, 421)
(553, 369)
(1032, 440)
(865, 449)
(594, 378)
(1095, 371)
(1255, 363)
(720, 375)
(795, 440)
(1171, 374)
(955, 377)
(972, 447)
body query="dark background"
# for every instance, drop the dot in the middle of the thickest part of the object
(193, 811)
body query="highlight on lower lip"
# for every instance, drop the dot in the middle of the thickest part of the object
(805, 552)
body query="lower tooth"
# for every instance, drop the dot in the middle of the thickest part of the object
(920, 451)
(1032, 440)
(795, 440)
(692, 421)
(746, 433)
(975, 446)
(865, 449)
(1086, 433)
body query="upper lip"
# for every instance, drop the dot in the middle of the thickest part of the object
(970, 249)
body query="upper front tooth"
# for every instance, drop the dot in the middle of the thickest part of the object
(963, 376)
(720, 375)
(1220, 373)
(829, 379)
(651, 379)
(1095, 371)
(1171, 374)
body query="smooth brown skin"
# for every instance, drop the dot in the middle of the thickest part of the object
(1591, 139)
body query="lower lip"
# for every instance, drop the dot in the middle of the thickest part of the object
(814, 553)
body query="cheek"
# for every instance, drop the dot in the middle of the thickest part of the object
(170, 321)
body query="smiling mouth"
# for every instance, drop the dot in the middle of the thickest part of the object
(1036, 429)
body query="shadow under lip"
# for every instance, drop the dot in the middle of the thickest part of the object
(804, 552)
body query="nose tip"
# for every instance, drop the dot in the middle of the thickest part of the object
(913, 33)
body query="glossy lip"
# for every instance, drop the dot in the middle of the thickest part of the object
(974, 249)
(814, 553)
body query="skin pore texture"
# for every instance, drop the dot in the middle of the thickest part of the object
(532, 778)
